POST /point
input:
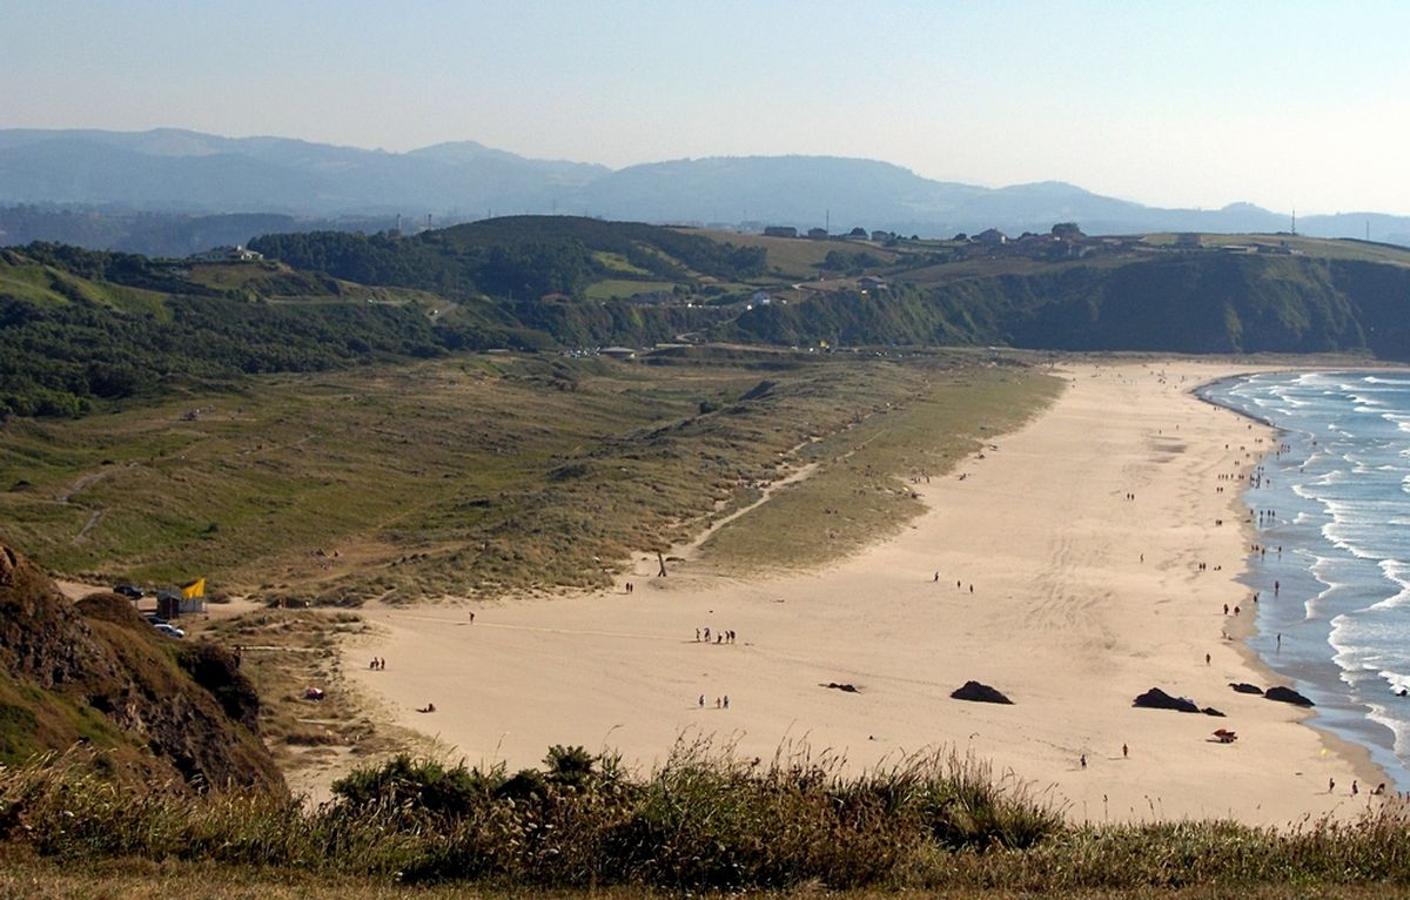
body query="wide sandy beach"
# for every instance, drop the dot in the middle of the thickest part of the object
(1081, 600)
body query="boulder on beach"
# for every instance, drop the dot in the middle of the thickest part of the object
(979, 693)
(1155, 698)
(1287, 695)
(1243, 687)
(842, 686)
(1211, 711)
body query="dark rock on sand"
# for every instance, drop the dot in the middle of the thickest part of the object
(1211, 711)
(1155, 698)
(842, 686)
(1243, 687)
(979, 693)
(1287, 695)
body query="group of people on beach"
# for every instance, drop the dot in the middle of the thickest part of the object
(723, 636)
(959, 584)
(1356, 788)
(378, 664)
(720, 702)
(1125, 754)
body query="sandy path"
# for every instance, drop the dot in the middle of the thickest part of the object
(1065, 617)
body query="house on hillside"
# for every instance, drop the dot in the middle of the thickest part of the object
(992, 236)
(761, 298)
(780, 231)
(227, 254)
(880, 236)
(817, 234)
(872, 283)
(618, 352)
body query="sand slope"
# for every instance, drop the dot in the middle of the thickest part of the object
(1064, 617)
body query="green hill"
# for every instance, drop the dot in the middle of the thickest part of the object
(523, 257)
(80, 327)
(1187, 303)
(95, 674)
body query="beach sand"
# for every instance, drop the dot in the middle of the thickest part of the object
(1064, 617)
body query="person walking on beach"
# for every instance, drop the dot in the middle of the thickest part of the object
(937, 577)
(1331, 785)
(1125, 752)
(726, 701)
(702, 701)
(1082, 760)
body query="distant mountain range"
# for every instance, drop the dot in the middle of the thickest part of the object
(186, 172)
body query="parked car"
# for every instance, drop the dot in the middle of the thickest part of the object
(170, 631)
(132, 592)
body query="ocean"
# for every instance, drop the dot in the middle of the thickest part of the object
(1333, 514)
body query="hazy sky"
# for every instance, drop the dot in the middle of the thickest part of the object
(1170, 103)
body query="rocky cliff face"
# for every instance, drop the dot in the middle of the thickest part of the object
(94, 673)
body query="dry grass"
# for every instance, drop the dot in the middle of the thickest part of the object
(705, 821)
(474, 477)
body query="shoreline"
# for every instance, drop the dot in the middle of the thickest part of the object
(1058, 612)
(1362, 749)
(1356, 754)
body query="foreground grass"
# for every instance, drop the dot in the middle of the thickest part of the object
(477, 476)
(703, 821)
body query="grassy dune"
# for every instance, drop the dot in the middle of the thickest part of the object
(862, 488)
(473, 476)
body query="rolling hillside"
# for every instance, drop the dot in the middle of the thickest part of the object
(78, 328)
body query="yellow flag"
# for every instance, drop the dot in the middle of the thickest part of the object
(195, 589)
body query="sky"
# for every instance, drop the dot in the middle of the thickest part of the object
(1193, 104)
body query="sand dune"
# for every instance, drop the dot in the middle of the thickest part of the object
(1064, 617)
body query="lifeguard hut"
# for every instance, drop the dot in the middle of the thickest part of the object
(189, 599)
